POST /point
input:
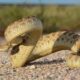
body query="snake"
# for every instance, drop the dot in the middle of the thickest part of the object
(27, 42)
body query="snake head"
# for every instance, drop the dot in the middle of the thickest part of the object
(16, 31)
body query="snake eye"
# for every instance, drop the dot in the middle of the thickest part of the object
(24, 39)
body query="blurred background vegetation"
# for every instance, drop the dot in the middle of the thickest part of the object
(54, 17)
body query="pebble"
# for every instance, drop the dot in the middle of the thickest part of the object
(32, 67)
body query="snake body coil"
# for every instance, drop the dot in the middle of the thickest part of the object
(31, 30)
(27, 42)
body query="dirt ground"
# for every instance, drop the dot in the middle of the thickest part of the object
(51, 67)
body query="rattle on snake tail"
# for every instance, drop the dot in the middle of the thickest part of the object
(27, 42)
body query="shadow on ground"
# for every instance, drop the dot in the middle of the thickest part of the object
(46, 62)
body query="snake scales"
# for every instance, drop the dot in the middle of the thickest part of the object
(27, 42)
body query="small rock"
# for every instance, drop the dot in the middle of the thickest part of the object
(32, 67)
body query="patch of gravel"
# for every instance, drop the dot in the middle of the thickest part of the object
(51, 67)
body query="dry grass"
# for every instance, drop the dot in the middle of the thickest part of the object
(53, 17)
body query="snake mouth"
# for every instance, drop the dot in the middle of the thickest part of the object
(15, 48)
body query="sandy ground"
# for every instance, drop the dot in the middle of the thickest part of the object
(51, 67)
